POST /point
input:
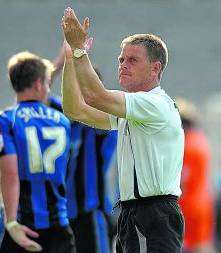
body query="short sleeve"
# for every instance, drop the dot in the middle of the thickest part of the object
(7, 144)
(146, 108)
(113, 122)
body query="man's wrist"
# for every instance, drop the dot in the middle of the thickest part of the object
(69, 59)
(80, 46)
(9, 225)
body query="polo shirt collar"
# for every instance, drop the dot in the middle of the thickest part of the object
(155, 90)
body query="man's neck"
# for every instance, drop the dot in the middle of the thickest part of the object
(144, 87)
(26, 97)
(149, 88)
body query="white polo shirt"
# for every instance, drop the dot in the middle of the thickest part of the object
(150, 145)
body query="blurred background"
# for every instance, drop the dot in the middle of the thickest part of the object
(191, 29)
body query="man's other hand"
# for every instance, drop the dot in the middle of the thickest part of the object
(20, 233)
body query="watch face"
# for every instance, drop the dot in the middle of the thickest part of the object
(79, 52)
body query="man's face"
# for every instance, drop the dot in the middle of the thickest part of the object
(134, 67)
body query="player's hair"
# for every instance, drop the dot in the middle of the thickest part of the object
(25, 68)
(155, 46)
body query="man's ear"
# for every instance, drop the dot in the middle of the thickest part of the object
(156, 67)
(38, 85)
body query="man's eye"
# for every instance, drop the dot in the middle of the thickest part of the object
(133, 60)
(121, 60)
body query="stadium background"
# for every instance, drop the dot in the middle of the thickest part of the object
(191, 29)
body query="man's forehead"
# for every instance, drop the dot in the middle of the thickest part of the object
(133, 50)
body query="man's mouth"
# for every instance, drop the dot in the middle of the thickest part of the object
(124, 74)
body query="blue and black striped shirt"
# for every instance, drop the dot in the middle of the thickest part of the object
(92, 167)
(40, 137)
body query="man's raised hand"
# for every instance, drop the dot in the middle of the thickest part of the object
(75, 33)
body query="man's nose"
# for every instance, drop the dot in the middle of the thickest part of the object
(124, 65)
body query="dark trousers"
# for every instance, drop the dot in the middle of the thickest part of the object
(152, 225)
(91, 232)
(53, 240)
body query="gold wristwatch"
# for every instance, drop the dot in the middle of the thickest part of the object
(79, 52)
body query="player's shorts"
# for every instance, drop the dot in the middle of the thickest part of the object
(52, 240)
(91, 233)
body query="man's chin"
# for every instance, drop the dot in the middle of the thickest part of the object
(125, 86)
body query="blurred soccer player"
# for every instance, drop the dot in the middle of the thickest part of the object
(196, 199)
(93, 158)
(34, 155)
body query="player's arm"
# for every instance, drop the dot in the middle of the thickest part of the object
(112, 102)
(10, 193)
(74, 105)
(55, 66)
(10, 185)
(58, 62)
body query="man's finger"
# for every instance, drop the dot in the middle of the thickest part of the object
(86, 24)
(63, 24)
(66, 45)
(69, 13)
(88, 44)
(30, 232)
(33, 247)
(68, 51)
(70, 17)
